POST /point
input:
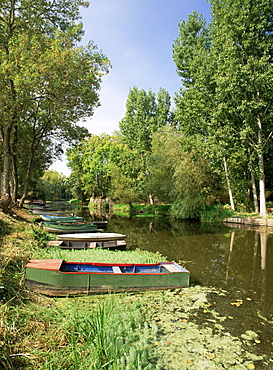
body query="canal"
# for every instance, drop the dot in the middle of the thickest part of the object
(240, 262)
(237, 261)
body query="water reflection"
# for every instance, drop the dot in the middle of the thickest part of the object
(216, 255)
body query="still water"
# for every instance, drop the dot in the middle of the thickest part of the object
(236, 260)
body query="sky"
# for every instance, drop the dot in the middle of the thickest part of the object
(137, 37)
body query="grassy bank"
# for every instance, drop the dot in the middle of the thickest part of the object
(42, 333)
(171, 330)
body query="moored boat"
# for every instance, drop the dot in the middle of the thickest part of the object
(42, 211)
(60, 278)
(91, 237)
(61, 217)
(113, 245)
(69, 227)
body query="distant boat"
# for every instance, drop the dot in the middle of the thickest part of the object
(91, 237)
(61, 218)
(55, 214)
(72, 227)
(42, 211)
(39, 203)
(113, 245)
(57, 277)
(68, 218)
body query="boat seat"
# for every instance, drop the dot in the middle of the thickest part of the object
(172, 268)
(117, 270)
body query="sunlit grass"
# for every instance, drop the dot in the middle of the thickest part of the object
(101, 255)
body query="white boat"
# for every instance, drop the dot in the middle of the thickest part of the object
(91, 237)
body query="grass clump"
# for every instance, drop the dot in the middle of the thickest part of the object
(79, 334)
(101, 255)
(109, 336)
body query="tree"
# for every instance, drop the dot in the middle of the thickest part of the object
(53, 185)
(242, 41)
(181, 175)
(92, 162)
(227, 73)
(43, 73)
(145, 114)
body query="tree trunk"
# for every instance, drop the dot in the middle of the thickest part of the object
(5, 199)
(14, 193)
(28, 177)
(228, 185)
(254, 188)
(263, 210)
(26, 186)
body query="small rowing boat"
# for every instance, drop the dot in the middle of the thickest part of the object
(69, 227)
(61, 218)
(91, 237)
(56, 277)
(113, 245)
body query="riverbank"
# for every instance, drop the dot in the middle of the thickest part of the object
(193, 328)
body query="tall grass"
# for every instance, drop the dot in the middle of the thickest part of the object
(108, 336)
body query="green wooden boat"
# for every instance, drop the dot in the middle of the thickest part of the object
(70, 227)
(60, 278)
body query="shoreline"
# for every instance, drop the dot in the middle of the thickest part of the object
(250, 223)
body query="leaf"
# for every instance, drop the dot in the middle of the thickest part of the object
(250, 366)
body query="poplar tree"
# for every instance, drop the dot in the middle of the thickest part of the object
(146, 113)
(242, 35)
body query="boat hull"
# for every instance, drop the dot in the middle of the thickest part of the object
(49, 218)
(55, 227)
(46, 277)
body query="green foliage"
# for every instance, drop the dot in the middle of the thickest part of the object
(91, 162)
(144, 115)
(181, 175)
(215, 213)
(53, 186)
(41, 236)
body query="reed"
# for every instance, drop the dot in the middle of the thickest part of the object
(106, 336)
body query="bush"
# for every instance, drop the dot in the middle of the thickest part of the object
(215, 213)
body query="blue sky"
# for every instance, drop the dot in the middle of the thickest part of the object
(137, 37)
